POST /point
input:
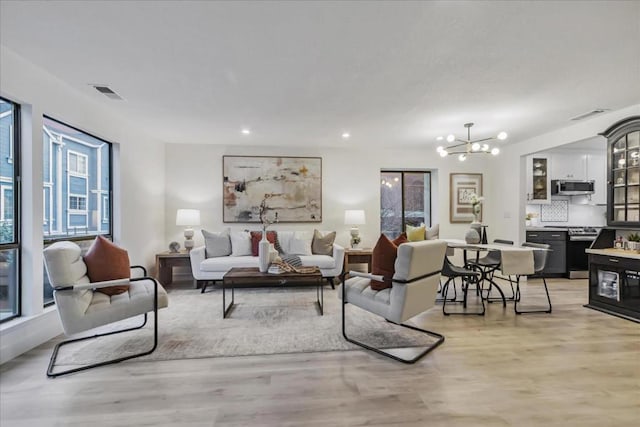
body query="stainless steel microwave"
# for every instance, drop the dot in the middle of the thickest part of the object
(565, 187)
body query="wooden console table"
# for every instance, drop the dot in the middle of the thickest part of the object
(165, 261)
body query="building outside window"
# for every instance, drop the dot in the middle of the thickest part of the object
(405, 198)
(77, 182)
(9, 210)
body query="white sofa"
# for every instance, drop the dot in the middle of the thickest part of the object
(207, 270)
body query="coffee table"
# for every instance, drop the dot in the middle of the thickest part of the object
(251, 276)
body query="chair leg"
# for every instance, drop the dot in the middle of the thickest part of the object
(517, 299)
(330, 280)
(54, 356)
(444, 290)
(465, 290)
(382, 352)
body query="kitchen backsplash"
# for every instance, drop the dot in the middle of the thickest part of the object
(563, 213)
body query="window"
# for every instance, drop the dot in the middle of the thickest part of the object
(77, 203)
(9, 210)
(77, 183)
(405, 198)
(77, 163)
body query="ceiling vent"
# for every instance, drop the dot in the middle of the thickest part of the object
(589, 114)
(107, 91)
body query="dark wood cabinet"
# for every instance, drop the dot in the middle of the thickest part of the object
(623, 173)
(557, 260)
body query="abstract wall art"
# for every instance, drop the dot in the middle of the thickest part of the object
(290, 187)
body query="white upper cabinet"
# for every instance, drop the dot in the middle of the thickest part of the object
(538, 179)
(597, 171)
(569, 166)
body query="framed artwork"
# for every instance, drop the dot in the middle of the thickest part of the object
(286, 188)
(462, 187)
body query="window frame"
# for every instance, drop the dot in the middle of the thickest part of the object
(17, 198)
(109, 233)
(402, 194)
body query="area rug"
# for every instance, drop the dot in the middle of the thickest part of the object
(264, 321)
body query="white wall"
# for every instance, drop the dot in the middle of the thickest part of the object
(350, 180)
(138, 187)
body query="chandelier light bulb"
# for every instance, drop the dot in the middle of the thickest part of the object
(444, 153)
(502, 136)
(495, 151)
(439, 138)
(451, 137)
(485, 147)
(475, 146)
(462, 157)
(440, 148)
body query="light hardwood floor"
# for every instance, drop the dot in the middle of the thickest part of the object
(575, 367)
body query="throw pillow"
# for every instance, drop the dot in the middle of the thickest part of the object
(322, 245)
(433, 232)
(107, 261)
(383, 261)
(415, 234)
(240, 243)
(300, 243)
(256, 236)
(402, 238)
(217, 244)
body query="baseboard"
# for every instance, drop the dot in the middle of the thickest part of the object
(23, 334)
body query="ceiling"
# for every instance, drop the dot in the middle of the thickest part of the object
(302, 73)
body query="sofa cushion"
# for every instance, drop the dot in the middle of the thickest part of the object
(256, 236)
(402, 238)
(300, 243)
(107, 261)
(217, 244)
(240, 243)
(226, 263)
(383, 261)
(433, 232)
(321, 261)
(322, 244)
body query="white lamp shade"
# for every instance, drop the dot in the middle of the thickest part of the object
(188, 217)
(354, 217)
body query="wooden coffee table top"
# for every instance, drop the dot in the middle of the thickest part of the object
(254, 273)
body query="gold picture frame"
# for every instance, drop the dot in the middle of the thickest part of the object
(461, 187)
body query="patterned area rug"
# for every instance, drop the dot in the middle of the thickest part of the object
(264, 321)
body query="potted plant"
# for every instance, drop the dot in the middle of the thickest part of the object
(634, 241)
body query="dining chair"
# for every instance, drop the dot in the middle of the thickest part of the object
(488, 265)
(467, 276)
(540, 257)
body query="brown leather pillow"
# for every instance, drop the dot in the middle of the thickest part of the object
(256, 236)
(383, 260)
(402, 238)
(107, 261)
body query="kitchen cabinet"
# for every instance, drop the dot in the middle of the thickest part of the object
(569, 166)
(538, 179)
(623, 172)
(557, 260)
(597, 171)
(614, 278)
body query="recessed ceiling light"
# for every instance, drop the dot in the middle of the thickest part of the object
(346, 135)
(246, 131)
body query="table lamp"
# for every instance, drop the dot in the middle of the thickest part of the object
(354, 218)
(188, 218)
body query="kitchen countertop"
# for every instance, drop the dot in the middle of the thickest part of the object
(547, 229)
(614, 252)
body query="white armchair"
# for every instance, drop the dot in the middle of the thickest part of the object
(82, 308)
(415, 285)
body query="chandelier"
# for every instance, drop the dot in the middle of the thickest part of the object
(468, 146)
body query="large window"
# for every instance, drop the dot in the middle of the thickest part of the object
(9, 210)
(76, 186)
(405, 198)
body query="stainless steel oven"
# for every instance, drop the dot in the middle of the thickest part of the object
(580, 238)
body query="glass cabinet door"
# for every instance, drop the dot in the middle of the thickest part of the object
(624, 175)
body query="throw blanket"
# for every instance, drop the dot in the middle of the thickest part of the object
(292, 260)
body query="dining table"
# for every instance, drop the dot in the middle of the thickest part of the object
(485, 247)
